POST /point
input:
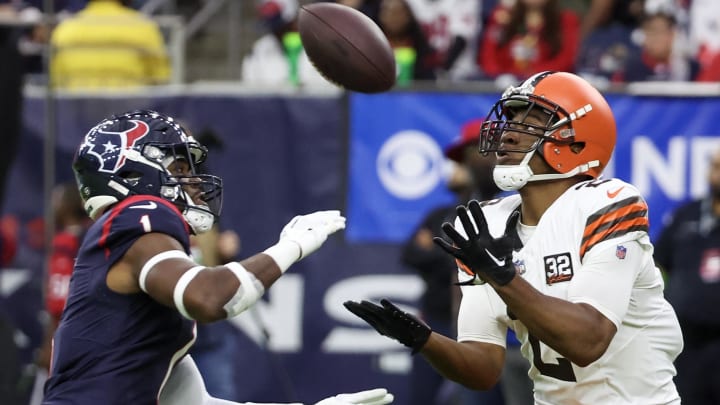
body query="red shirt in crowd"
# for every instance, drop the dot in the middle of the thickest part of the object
(527, 53)
(65, 247)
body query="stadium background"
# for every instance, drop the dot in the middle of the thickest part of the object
(378, 158)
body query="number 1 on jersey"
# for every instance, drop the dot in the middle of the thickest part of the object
(145, 221)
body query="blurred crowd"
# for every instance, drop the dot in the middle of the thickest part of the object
(606, 41)
(505, 41)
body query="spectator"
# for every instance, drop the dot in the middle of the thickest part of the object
(36, 27)
(71, 223)
(108, 45)
(464, 151)
(277, 57)
(602, 14)
(688, 250)
(31, 31)
(607, 38)
(451, 27)
(663, 52)
(406, 37)
(710, 69)
(437, 269)
(370, 8)
(704, 32)
(526, 37)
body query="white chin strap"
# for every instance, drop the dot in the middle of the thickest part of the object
(514, 177)
(199, 219)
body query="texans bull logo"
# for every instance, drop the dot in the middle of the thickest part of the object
(110, 147)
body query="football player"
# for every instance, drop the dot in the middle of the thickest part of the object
(566, 262)
(135, 293)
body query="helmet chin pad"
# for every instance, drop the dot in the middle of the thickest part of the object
(95, 206)
(512, 177)
(199, 219)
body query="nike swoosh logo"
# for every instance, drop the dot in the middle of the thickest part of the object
(495, 259)
(613, 194)
(149, 206)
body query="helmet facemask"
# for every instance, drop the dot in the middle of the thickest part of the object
(510, 113)
(198, 196)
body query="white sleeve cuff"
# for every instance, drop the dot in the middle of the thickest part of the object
(284, 253)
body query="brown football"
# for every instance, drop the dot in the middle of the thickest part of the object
(347, 47)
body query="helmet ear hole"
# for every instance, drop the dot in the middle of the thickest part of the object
(131, 177)
(126, 174)
(577, 147)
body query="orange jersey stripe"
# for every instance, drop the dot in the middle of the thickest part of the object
(615, 220)
(597, 218)
(608, 220)
(619, 229)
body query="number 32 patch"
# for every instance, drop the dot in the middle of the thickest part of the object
(558, 268)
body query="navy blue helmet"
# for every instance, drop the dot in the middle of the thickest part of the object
(129, 154)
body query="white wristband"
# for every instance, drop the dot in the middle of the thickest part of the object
(284, 253)
(180, 287)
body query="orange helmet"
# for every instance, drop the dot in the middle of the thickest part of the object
(578, 115)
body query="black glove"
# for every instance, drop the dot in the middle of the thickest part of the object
(487, 257)
(390, 321)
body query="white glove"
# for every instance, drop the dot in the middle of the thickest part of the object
(303, 235)
(378, 396)
(310, 231)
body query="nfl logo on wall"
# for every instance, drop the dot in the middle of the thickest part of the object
(620, 252)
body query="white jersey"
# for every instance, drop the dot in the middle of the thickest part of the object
(591, 246)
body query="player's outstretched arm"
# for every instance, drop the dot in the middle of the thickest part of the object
(476, 365)
(158, 265)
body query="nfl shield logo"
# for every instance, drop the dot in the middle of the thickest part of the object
(620, 252)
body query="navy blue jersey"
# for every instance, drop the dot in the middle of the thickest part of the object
(115, 348)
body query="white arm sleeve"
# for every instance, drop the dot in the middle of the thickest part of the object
(478, 321)
(185, 386)
(606, 280)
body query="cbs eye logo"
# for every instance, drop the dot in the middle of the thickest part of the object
(410, 164)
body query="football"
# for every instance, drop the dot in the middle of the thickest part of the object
(347, 47)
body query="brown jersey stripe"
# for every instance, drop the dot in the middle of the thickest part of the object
(616, 230)
(608, 220)
(612, 207)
